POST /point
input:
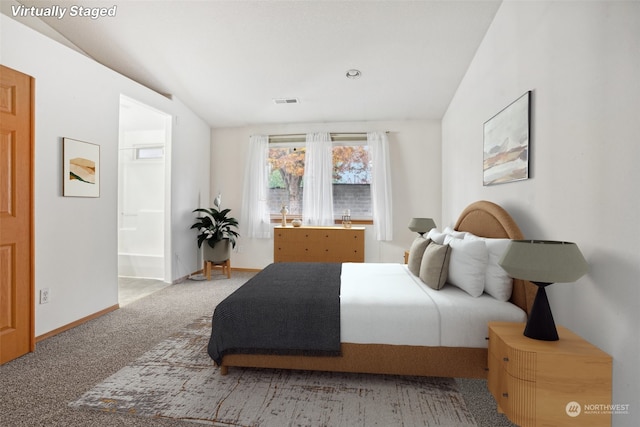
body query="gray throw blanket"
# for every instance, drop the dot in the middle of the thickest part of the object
(287, 308)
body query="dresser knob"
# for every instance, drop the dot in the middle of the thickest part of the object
(505, 394)
(506, 359)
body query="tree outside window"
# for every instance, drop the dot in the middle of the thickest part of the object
(286, 173)
(351, 179)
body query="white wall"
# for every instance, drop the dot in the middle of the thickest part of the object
(582, 62)
(190, 177)
(415, 161)
(76, 238)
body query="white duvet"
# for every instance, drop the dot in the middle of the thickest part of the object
(383, 303)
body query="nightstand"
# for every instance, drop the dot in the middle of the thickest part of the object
(548, 383)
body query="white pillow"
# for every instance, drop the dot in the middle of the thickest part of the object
(497, 282)
(454, 233)
(440, 236)
(436, 236)
(468, 265)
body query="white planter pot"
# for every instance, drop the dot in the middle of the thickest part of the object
(220, 253)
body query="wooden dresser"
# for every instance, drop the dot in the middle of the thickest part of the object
(318, 244)
(548, 383)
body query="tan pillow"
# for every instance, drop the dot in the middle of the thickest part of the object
(435, 265)
(415, 254)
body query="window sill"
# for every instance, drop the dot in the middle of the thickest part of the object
(278, 220)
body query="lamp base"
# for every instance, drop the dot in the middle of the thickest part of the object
(540, 325)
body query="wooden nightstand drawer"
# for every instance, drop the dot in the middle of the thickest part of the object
(521, 364)
(496, 345)
(496, 382)
(520, 399)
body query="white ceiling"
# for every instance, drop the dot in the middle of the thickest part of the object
(228, 60)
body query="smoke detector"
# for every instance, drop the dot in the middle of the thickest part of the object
(353, 73)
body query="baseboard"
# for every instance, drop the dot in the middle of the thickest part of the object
(113, 308)
(182, 279)
(77, 323)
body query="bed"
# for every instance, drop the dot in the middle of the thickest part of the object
(456, 347)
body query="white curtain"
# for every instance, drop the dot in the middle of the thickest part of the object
(318, 180)
(380, 185)
(255, 217)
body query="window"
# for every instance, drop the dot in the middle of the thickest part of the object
(149, 153)
(255, 203)
(351, 178)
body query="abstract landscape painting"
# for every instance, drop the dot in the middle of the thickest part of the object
(506, 143)
(81, 172)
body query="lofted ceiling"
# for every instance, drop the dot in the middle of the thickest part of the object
(229, 60)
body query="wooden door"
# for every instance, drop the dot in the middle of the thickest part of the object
(16, 215)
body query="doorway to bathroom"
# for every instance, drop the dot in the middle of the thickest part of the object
(143, 193)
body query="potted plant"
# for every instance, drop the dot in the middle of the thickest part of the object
(217, 229)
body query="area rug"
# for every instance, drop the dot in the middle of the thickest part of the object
(177, 380)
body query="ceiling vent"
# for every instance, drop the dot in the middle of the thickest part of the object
(286, 101)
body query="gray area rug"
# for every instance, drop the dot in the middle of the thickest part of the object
(177, 380)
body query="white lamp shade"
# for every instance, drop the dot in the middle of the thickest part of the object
(544, 261)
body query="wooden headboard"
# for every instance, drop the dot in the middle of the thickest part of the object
(486, 219)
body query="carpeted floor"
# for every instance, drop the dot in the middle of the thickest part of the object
(131, 289)
(36, 389)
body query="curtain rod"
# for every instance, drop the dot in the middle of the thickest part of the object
(335, 136)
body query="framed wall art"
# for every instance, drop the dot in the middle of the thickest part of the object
(506, 143)
(81, 168)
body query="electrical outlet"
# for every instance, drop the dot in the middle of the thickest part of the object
(44, 296)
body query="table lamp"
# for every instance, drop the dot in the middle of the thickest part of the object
(421, 225)
(543, 262)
